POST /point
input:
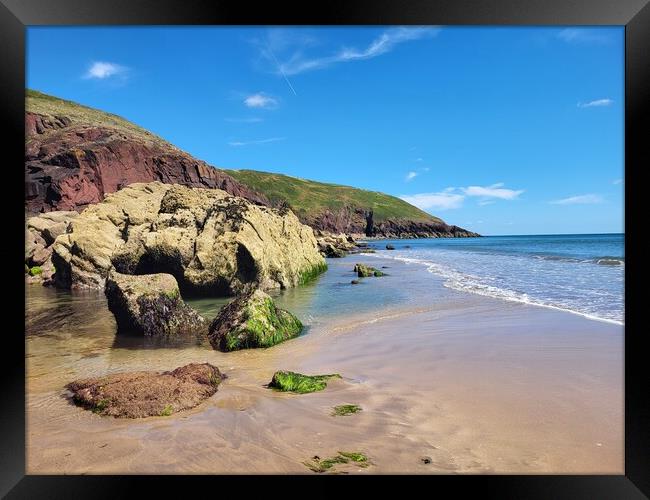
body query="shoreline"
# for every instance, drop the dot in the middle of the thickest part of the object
(478, 386)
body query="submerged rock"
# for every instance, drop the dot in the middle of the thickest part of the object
(355, 282)
(151, 304)
(145, 394)
(252, 320)
(390, 247)
(212, 243)
(364, 271)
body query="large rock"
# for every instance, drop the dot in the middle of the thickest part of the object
(252, 320)
(211, 242)
(40, 232)
(144, 394)
(151, 305)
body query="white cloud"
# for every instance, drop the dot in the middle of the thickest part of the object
(493, 191)
(410, 176)
(583, 35)
(260, 100)
(444, 200)
(425, 169)
(259, 141)
(596, 103)
(418, 159)
(384, 43)
(453, 197)
(583, 199)
(244, 120)
(482, 203)
(101, 70)
(616, 182)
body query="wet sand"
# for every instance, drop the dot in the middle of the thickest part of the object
(477, 385)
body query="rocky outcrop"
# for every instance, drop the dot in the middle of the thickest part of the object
(332, 245)
(70, 164)
(145, 394)
(151, 305)
(211, 242)
(40, 233)
(252, 320)
(364, 271)
(360, 222)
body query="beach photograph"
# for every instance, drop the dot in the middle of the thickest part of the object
(324, 250)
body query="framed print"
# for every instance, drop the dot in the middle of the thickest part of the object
(373, 241)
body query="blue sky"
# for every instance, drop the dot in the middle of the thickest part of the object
(500, 130)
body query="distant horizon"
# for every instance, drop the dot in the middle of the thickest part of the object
(482, 127)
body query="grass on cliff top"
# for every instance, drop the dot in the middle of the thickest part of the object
(309, 198)
(44, 104)
(299, 383)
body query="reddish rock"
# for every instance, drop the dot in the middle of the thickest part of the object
(70, 165)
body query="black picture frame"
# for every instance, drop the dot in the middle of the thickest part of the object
(15, 15)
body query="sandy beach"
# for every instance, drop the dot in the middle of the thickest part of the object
(468, 385)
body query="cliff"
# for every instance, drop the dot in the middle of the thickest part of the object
(76, 155)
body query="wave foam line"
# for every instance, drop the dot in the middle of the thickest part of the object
(454, 280)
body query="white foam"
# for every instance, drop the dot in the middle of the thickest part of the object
(473, 284)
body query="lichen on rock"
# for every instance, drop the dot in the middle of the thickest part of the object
(213, 243)
(252, 320)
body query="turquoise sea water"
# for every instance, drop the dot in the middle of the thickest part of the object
(583, 274)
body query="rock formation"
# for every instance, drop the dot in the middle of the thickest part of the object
(74, 156)
(145, 394)
(252, 320)
(40, 233)
(151, 304)
(211, 242)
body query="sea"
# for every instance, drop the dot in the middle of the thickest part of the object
(578, 273)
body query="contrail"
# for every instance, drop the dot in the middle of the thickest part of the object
(281, 70)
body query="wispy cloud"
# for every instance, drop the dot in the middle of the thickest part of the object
(101, 70)
(410, 176)
(583, 199)
(616, 182)
(261, 101)
(288, 58)
(493, 191)
(584, 35)
(419, 159)
(244, 120)
(259, 141)
(443, 200)
(597, 103)
(453, 197)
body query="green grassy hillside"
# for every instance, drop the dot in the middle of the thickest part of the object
(44, 104)
(311, 197)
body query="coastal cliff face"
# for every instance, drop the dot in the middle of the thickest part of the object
(359, 222)
(74, 157)
(212, 243)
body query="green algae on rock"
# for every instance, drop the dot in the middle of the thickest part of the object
(344, 410)
(287, 381)
(317, 464)
(364, 271)
(146, 394)
(252, 320)
(151, 304)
